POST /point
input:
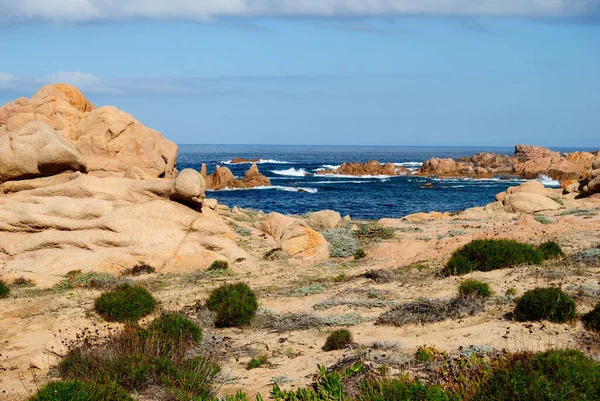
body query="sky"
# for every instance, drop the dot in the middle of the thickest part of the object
(351, 72)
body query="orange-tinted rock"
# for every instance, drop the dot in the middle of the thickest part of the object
(372, 167)
(111, 141)
(223, 178)
(242, 160)
(254, 178)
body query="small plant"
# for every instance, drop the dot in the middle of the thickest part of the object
(338, 339)
(543, 219)
(341, 242)
(21, 282)
(551, 250)
(427, 353)
(257, 362)
(139, 269)
(470, 288)
(125, 303)
(80, 391)
(244, 232)
(592, 319)
(95, 280)
(380, 276)
(487, 255)
(511, 292)
(360, 254)
(234, 304)
(374, 232)
(545, 304)
(4, 290)
(219, 265)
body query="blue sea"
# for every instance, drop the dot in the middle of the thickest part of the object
(296, 189)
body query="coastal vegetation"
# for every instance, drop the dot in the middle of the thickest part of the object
(125, 303)
(235, 305)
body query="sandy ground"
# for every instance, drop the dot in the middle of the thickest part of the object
(35, 322)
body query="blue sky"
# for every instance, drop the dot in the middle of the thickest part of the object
(373, 72)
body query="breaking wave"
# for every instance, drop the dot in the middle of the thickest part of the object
(291, 172)
(276, 187)
(260, 161)
(547, 181)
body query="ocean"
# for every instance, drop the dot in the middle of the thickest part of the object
(295, 189)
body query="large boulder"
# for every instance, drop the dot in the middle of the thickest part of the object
(324, 219)
(37, 150)
(370, 168)
(526, 202)
(294, 236)
(110, 141)
(73, 221)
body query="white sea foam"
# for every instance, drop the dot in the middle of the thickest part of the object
(366, 177)
(292, 172)
(408, 164)
(346, 181)
(276, 187)
(328, 167)
(547, 181)
(260, 161)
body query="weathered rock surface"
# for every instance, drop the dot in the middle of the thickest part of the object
(72, 221)
(527, 161)
(110, 141)
(294, 236)
(324, 219)
(223, 178)
(372, 167)
(37, 150)
(529, 197)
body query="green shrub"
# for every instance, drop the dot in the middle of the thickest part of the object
(551, 250)
(592, 319)
(139, 269)
(489, 254)
(4, 290)
(360, 254)
(219, 265)
(125, 304)
(545, 304)
(374, 232)
(137, 359)
(404, 389)
(338, 339)
(510, 292)
(80, 391)
(565, 375)
(469, 288)
(257, 362)
(234, 304)
(427, 353)
(173, 326)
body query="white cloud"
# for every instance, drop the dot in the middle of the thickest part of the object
(206, 10)
(6, 80)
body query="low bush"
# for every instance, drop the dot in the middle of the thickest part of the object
(427, 353)
(381, 275)
(139, 269)
(373, 232)
(510, 292)
(426, 310)
(80, 391)
(486, 255)
(4, 290)
(403, 389)
(125, 304)
(545, 304)
(137, 359)
(234, 304)
(360, 254)
(565, 375)
(219, 265)
(592, 319)
(551, 250)
(257, 362)
(22, 282)
(338, 339)
(341, 242)
(93, 280)
(174, 327)
(474, 288)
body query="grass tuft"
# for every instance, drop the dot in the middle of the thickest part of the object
(234, 304)
(545, 304)
(125, 304)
